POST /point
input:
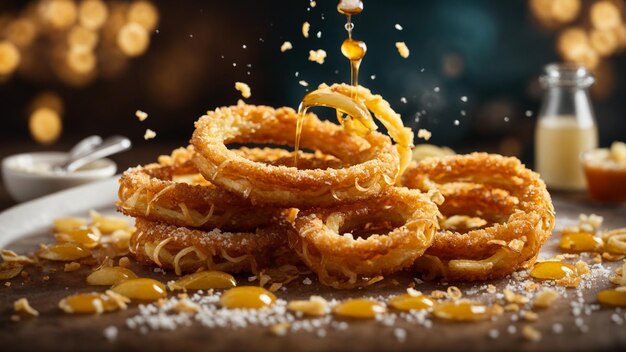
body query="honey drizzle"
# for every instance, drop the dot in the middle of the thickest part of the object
(353, 50)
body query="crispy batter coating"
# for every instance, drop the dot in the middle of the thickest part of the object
(355, 244)
(172, 191)
(369, 163)
(187, 250)
(403, 136)
(512, 200)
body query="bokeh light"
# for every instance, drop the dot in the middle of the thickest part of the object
(597, 31)
(73, 42)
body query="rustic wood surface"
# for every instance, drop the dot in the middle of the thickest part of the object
(54, 330)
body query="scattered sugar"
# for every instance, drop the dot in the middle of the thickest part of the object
(398, 26)
(400, 334)
(110, 333)
(494, 334)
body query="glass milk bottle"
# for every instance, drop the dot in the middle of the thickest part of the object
(566, 126)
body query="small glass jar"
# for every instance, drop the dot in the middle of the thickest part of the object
(566, 127)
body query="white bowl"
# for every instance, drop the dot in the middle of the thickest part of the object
(23, 185)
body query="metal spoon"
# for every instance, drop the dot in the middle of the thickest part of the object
(85, 155)
(83, 147)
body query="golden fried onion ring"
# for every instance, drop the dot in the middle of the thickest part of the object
(360, 120)
(187, 250)
(173, 192)
(397, 227)
(511, 198)
(370, 161)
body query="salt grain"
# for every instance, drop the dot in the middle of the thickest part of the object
(110, 333)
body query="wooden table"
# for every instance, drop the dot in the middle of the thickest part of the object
(54, 330)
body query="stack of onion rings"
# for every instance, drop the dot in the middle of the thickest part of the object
(512, 200)
(371, 162)
(401, 224)
(209, 206)
(156, 192)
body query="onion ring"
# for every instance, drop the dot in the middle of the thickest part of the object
(359, 120)
(511, 198)
(371, 161)
(187, 250)
(172, 191)
(398, 226)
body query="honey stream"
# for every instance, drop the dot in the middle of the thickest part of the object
(354, 50)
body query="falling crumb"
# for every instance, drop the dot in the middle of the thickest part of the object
(305, 29)
(464, 99)
(530, 316)
(545, 298)
(403, 50)
(531, 334)
(314, 306)
(319, 34)
(317, 56)
(398, 27)
(73, 266)
(512, 307)
(506, 119)
(403, 100)
(244, 89)
(22, 306)
(312, 4)
(436, 89)
(280, 329)
(110, 333)
(149, 134)
(307, 281)
(373, 77)
(457, 122)
(304, 83)
(244, 46)
(7, 284)
(512, 297)
(286, 46)
(142, 116)
(529, 113)
(424, 133)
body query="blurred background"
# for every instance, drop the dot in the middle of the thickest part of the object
(72, 68)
